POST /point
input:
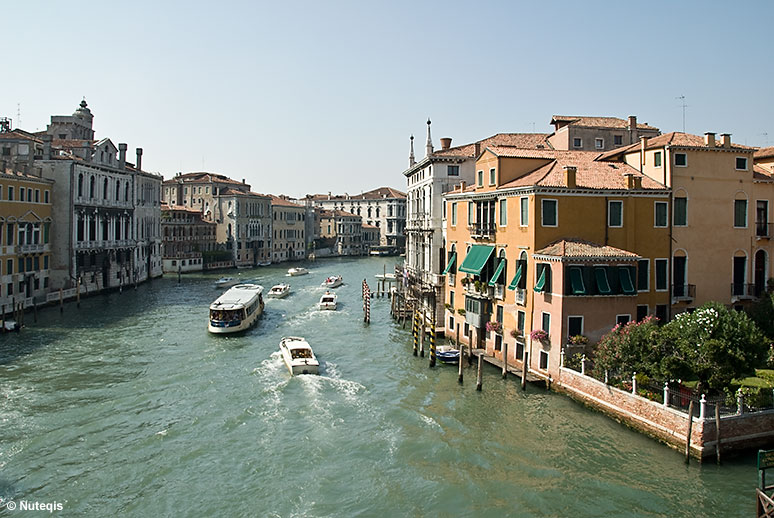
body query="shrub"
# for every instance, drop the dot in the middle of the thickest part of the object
(629, 347)
(578, 340)
(461, 311)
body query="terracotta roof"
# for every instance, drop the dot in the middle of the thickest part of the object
(674, 139)
(372, 227)
(181, 208)
(519, 140)
(761, 173)
(765, 152)
(282, 202)
(590, 173)
(19, 134)
(202, 176)
(368, 195)
(337, 213)
(580, 249)
(598, 122)
(515, 152)
(72, 143)
(9, 171)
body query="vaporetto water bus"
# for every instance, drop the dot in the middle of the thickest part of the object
(237, 309)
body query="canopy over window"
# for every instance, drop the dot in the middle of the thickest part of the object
(498, 273)
(450, 265)
(576, 281)
(476, 259)
(516, 279)
(541, 282)
(627, 286)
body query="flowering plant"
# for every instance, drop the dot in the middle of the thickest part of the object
(579, 340)
(515, 333)
(495, 327)
(538, 335)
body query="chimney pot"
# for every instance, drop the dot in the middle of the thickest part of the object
(462, 186)
(643, 147)
(138, 151)
(121, 155)
(446, 142)
(632, 122)
(709, 139)
(243, 180)
(570, 176)
(638, 182)
(725, 139)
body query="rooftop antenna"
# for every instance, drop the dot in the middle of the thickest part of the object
(18, 115)
(684, 106)
(533, 127)
(765, 138)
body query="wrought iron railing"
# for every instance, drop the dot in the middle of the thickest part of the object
(683, 291)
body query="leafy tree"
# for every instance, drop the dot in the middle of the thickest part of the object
(762, 313)
(629, 348)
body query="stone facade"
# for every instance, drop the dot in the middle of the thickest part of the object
(288, 230)
(185, 236)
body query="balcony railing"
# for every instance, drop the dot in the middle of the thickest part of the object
(521, 295)
(483, 291)
(32, 249)
(499, 291)
(683, 291)
(452, 278)
(483, 230)
(763, 229)
(745, 291)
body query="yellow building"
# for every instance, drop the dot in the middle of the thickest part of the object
(25, 214)
(721, 236)
(555, 241)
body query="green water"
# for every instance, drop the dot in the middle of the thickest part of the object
(127, 406)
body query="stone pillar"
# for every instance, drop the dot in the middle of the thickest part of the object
(666, 393)
(634, 383)
(702, 407)
(739, 402)
(583, 364)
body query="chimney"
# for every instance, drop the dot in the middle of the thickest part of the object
(725, 139)
(446, 142)
(122, 156)
(329, 195)
(632, 122)
(138, 165)
(629, 180)
(570, 172)
(477, 149)
(643, 147)
(709, 139)
(632, 127)
(47, 146)
(243, 181)
(638, 182)
(462, 186)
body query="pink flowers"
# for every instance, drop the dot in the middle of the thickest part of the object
(494, 327)
(538, 335)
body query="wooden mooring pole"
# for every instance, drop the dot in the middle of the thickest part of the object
(416, 332)
(524, 364)
(78, 293)
(462, 356)
(432, 343)
(688, 437)
(61, 301)
(422, 333)
(479, 373)
(717, 432)
(505, 360)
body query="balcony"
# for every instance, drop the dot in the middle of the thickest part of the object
(452, 278)
(499, 291)
(763, 230)
(683, 292)
(484, 291)
(484, 231)
(743, 291)
(521, 296)
(33, 249)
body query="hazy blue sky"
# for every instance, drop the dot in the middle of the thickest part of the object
(301, 97)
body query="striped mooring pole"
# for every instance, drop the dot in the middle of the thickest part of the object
(416, 332)
(432, 343)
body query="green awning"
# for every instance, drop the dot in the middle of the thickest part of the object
(516, 279)
(450, 265)
(498, 272)
(576, 281)
(603, 287)
(476, 259)
(625, 275)
(541, 283)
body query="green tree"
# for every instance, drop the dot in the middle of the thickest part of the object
(629, 348)
(762, 313)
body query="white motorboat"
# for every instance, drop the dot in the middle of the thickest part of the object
(298, 356)
(264, 263)
(328, 301)
(279, 291)
(334, 281)
(293, 272)
(226, 282)
(236, 310)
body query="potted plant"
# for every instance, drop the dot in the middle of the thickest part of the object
(465, 281)
(477, 285)
(515, 333)
(538, 335)
(579, 340)
(494, 327)
(461, 311)
(448, 307)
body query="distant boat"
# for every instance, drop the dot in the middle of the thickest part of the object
(294, 272)
(298, 356)
(226, 282)
(447, 354)
(244, 266)
(279, 291)
(334, 281)
(264, 263)
(328, 301)
(236, 310)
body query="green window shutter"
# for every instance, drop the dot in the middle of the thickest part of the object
(503, 212)
(541, 282)
(625, 276)
(681, 211)
(498, 272)
(516, 278)
(476, 259)
(740, 213)
(643, 275)
(603, 286)
(450, 265)
(576, 281)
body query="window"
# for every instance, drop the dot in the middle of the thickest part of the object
(22, 191)
(452, 170)
(642, 311)
(576, 142)
(681, 160)
(622, 319)
(481, 178)
(643, 275)
(521, 318)
(740, 213)
(661, 313)
(503, 212)
(471, 212)
(657, 159)
(491, 177)
(680, 212)
(618, 140)
(548, 213)
(574, 326)
(543, 360)
(599, 143)
(10, 193)
(37, 195)
(524, 204)
(546, 322)
(9, 267)
(660, 214)
(499, 314)
(615, 214)
(454, 213)
(46, 198)
(741, 163)
(543, 284)
(661, 274)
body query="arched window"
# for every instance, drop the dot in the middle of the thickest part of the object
(80, 185)
(377, 212)
(369, 212)
(91, 187)
(118, 190)
(126, 191)
(105, 189)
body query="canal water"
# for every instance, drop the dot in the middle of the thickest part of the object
(127, 406)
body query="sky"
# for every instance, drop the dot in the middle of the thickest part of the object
(308, 97)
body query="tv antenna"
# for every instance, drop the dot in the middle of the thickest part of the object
(683, 106)
(18, 115)
(765, 138)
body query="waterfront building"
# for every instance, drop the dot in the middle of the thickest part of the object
(186, 236)
(199, 190)
(384, 208)
(341, 233)
(245, 225)
(719, 217)
(581, 133)
(554, 241)
(288, 230)
(25, 236)
(371, 237)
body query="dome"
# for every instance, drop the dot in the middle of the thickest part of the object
(83, 111)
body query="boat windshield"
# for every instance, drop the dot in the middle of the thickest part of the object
(300, 353)
(221, 315)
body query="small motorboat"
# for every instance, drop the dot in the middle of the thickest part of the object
(226, 282)
(328, 301)
(447, 354)
(264, 263)
(293, 272)
(298, 356)
(279, 291)
(334, 281)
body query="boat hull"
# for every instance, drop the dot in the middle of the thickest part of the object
(243, 325)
